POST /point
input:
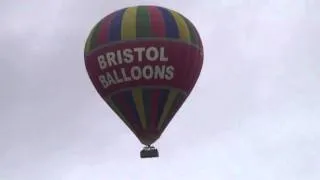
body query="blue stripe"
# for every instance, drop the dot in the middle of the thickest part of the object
(129, 99)
(171, 26)
(115, 27)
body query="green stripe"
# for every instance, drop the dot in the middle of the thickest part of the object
(88, 42)
(92, 38)
(95, 36)
(177, 103)
(196, 35)
(143, 22)
(192, 31)
(116, 109)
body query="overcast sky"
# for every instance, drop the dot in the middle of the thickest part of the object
(254, 113)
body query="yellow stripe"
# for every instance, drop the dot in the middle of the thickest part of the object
(128, 26)
(138, 99)
(182, 26)
(172, 95)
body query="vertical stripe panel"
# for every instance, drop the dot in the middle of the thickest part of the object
(128, 26)
(162, 99)
(170, 24)
(123, 100)
(178, 101)
(182, 26)
(196, 35)
(105, 29)
(115, 27)
(156, 22)
(94, 37)
(116, 109)
(193, 36)
(147, 104)
(138, 100)
(172, 95)
(139, 22)
(155, 108)
(128, 101)
(143, 22)
(89, 39)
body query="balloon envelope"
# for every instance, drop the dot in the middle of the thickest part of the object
(144, 61)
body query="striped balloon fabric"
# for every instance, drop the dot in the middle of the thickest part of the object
(144, 62)
(142, 22)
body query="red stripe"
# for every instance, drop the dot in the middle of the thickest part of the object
(154, 109)
(103, 34)
(156, 22)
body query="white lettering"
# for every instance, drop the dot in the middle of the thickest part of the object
(111, 58)
(136, 73)
(162, 55)
(152, 54)
(161, 70)
(128, 56)
(139, 50)
(119, 56)
(102, 62)
(169, 73)
(116, 77)
(147, 72)
(103, 81)
(110, 79)
(124, 75)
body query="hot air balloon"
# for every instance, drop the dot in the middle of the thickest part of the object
(144, 62)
